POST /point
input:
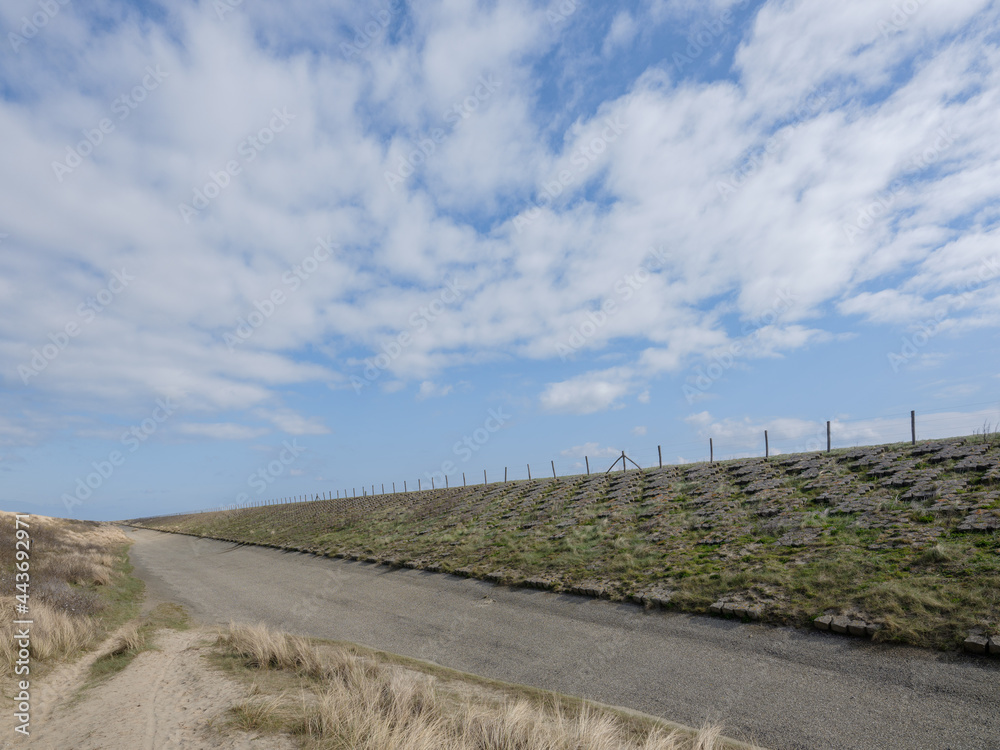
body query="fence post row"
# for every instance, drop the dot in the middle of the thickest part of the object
(623, 458)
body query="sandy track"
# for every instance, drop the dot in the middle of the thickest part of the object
(165, 699)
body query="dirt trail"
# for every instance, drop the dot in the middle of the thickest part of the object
(166, 699)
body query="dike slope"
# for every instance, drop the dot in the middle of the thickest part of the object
(905, 538)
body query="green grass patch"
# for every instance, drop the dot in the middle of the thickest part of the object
(691, 529)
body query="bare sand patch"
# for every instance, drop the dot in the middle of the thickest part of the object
(167, 698)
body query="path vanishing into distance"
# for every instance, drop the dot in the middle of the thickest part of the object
(781, 687)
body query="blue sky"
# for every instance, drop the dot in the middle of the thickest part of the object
(257, 250)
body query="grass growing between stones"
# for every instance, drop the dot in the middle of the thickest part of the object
(344, 697)
(902, 536)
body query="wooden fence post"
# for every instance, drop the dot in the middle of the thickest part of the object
(767, 450)
(828, 436)
(588, 465)
(553, 469)
(711, 452)
(913, 427)
(659, 452)
(529, 472)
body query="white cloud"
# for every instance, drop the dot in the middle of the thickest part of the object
(586, 394)
(221, 430)
(293, 423)
(728, 255)
(622, 31)
(430, 390)
(794, 435)
(639, 431)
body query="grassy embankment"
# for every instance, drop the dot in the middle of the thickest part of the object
(902, 536)
(80, 588)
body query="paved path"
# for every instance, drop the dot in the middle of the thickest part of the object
(780, 687)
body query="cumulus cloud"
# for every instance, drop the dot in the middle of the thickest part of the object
(292, 423)
(816, 168)
(586, 394)
(622, 31)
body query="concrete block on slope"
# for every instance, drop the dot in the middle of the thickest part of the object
(976, 644)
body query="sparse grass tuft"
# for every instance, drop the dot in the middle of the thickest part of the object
(136, 637)
(263, 648)
(356, 702)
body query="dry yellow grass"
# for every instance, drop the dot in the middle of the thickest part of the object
(356, 703)
(131, 638)
(68, 559)
(263, 648)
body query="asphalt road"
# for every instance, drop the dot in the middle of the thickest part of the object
(780, 687)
